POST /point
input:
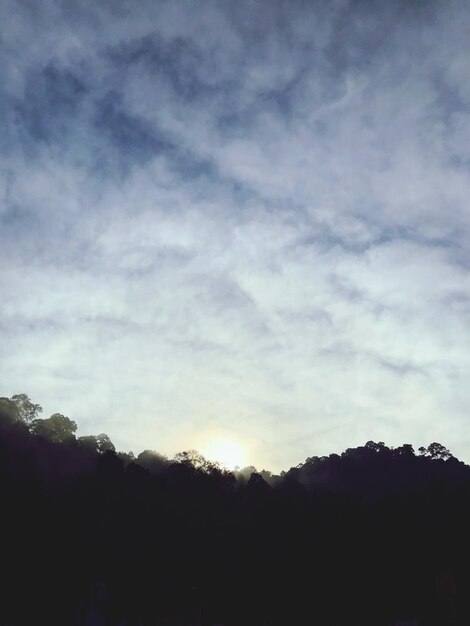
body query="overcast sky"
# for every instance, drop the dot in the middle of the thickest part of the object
(239, 216)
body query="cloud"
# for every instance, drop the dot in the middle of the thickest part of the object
(249, 214)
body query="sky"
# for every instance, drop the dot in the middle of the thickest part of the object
(247, 220)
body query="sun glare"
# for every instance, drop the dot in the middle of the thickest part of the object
(227, 452)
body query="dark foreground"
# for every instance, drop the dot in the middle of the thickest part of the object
(375, 536)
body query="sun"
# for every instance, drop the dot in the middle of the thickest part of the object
(227, 452)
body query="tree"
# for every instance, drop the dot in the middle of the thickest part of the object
(98, 443)
(104, 443)
(376, 447)
(405, 451)
(19, 408)
(58, 428)
(257, 483)
(243, 475)
(197, 460)
(89, 442)
(152, 461)
(126, 457)
(27, 410)
(9, 410)
(436, 451)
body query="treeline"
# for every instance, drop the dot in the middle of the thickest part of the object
(92, 535)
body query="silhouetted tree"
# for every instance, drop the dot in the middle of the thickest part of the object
(57, 428)
(126, 457)
(20, 408)
(366, 537)
(406, 451)
(88, 442)
(97, 443)
(9, 410)
(196, 460)
(436, 451)
(153, 461)
(104, 443)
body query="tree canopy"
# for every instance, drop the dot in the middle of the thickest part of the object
(371, 536)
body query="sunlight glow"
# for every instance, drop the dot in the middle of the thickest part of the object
(227, 452)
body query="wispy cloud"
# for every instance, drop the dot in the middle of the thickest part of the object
(248, 213)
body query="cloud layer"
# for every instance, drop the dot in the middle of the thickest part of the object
(247, 217)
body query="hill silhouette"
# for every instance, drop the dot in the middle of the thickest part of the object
(374, 536)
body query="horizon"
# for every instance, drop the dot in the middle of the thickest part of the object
(214, 448)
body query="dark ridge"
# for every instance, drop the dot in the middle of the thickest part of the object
(92, 536)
